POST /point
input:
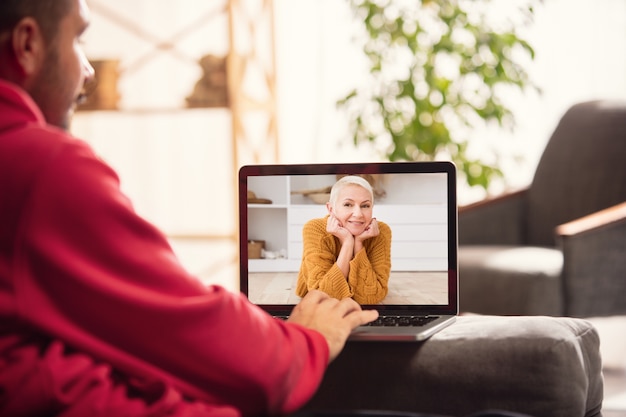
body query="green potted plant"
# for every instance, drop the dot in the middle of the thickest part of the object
(437, 69)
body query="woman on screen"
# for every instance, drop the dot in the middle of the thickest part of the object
(348, 252)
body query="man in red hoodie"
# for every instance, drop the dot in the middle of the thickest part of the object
(97, 316)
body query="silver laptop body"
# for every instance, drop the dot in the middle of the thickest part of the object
(416, 199)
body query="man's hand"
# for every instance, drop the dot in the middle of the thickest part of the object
(333, 318)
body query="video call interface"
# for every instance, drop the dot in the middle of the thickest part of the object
(413, 205)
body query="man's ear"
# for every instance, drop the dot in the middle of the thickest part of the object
(28, 46)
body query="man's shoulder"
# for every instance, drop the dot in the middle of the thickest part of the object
(38, 154)
(38, 144)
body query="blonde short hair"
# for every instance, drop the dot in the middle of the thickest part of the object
(349, 180)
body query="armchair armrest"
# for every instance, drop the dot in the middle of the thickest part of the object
(494, 221)
(593, 221)
(594, 266)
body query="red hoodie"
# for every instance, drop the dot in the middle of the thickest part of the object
(95, 308)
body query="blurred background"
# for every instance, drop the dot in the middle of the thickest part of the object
(190, 91)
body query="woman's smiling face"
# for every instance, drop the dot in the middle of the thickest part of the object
(353, 208)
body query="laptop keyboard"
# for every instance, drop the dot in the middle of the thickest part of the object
(393, 321)
(401, 321)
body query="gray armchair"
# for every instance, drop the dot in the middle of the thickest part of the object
(557, 247)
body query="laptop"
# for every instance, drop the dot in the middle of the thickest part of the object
(417, 200)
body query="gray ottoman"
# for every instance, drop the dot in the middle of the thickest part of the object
(541, 366)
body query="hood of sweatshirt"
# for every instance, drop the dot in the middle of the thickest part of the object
(17, 108)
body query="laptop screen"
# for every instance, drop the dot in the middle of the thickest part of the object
(415, 201)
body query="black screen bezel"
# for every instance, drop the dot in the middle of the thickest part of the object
(358, 168)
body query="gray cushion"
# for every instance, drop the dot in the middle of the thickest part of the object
(510, 280)
(541, 366)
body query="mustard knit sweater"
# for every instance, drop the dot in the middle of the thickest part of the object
(369, 269)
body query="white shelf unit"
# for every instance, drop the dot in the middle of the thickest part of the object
(279, 224)
(418, 221)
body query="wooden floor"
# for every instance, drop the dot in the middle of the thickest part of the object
(404, 288)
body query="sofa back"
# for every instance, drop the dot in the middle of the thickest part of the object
(582, 169)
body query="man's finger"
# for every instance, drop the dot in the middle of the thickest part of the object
(315, 296)
(359, 318)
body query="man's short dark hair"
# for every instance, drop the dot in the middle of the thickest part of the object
(47, 13)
